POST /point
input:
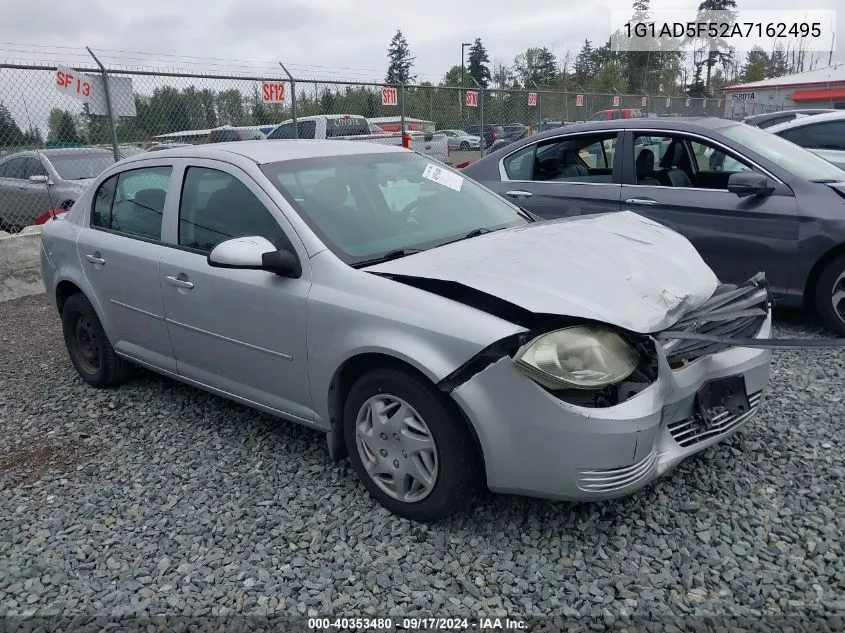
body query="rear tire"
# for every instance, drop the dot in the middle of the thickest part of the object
(89, 348)
(422, 463)
(830, 295)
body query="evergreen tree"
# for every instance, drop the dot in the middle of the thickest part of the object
(401, 61)
(63, 127)
(756, 65)
(585, 63)
(478, 63)
(717, 52)
(10, 133)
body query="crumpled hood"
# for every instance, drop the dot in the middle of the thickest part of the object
(619, 268)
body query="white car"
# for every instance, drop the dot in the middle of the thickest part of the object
(822, 134)
(353, 127)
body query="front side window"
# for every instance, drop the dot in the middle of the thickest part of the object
(15, 168)
(34, 168)
(216, 206)
(364, 206)
(132, 202)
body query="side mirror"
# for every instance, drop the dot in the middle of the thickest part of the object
(749, 183)
(41, 180)
(254, 253)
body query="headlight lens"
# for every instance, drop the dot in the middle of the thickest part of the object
(580, 357)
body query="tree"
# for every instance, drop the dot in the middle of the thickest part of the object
(10, 133)
(535, 66)
(62, 127)
(401, 62)
(585, 63)
(452, 77)
(717, 49)
(477, 66)
(502, 76)
(756, 65)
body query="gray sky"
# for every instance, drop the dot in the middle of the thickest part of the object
(319, 38)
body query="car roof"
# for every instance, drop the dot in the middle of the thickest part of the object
(808, 120)
(271, 151)
(676, 124)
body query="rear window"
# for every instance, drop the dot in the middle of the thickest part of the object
(347, 126)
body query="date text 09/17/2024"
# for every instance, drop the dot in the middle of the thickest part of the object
(417, 624)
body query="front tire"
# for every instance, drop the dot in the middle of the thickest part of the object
(410, 448)
(830, 295)
(89, 348)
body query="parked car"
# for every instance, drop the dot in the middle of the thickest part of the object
(355, 127)
(228, 133)
(445, 351)
(491, 133)
(617, 113)
(460, 140)
(515, 131)
(822, 134)
(35, 182)
(747, 199)
(548, 124)
(162, 146)
(774, 118)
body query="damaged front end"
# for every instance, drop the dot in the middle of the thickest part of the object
(730, 314)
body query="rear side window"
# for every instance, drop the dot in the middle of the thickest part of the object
(16, 168)
(352, 126)
(132, 202)
(829, 135)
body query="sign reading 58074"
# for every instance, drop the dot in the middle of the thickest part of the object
(73, 83)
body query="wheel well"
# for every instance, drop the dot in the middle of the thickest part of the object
(64, 291)
(353, 368)
(816, 272)
(67, 204)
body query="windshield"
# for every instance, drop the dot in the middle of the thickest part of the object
(77, 166)
(368, 205)
(786, 154)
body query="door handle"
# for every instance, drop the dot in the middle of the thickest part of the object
(643, 202)
(179, 283)
(95, 259)
(519, 194)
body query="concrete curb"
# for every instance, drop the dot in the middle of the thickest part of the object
(20, 265)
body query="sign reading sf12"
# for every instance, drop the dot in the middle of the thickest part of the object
(273, 91)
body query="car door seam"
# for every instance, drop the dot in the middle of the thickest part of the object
(229, 340)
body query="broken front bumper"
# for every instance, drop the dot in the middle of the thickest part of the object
(536, 444)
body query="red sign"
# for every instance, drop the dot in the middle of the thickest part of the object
(273, 92)
(472, 99)
(668, 102)
(616, 101)
(532, 98)
(389, 96)
(644, 101)
(579, 101)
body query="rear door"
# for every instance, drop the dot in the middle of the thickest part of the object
(576, 174)
(687, 191)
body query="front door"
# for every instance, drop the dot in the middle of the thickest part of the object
(120, 252)
(239, 331)
(686, 190)
(565, 176)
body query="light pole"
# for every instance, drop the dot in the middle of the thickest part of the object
(463, 79)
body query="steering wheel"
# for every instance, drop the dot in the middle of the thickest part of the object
(407, 212)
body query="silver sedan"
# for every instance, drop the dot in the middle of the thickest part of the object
(444, 340)
(459, 140)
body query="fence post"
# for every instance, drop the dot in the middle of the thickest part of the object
(539, 104)
(292, 100)
(402, 112)
(109, 111)
(481, 113)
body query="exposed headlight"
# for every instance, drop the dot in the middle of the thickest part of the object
(580, 357)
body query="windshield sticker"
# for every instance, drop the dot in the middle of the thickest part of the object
(443, 177)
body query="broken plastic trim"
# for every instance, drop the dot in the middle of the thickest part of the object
(755, 343)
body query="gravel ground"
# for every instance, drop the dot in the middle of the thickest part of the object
(158, 498)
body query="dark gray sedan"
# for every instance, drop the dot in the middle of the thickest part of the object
(747, 199)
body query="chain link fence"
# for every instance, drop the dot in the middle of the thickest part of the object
(80, 120)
